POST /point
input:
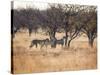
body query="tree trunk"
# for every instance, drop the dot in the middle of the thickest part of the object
(52, 34)
(91, 42)
(66, 39)
(69, 43)
(30, 31)
(91, 39)
(52, 39)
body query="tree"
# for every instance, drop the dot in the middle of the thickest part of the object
(15, 22)
(90, 24)
(26, 18)
(72, 26)
(54, 19)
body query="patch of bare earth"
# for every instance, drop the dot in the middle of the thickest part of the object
(78, 57)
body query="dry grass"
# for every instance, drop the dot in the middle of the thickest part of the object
(80, 56)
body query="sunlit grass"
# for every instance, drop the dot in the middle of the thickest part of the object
(79, 57)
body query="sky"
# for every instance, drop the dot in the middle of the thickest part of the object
(25, 4)
(33, 4)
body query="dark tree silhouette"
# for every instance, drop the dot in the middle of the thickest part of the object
(72, 27)
(90, 24)
(55, 18)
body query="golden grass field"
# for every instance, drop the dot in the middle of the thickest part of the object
(78, 57)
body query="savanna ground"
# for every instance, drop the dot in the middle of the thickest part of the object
(78, 57)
